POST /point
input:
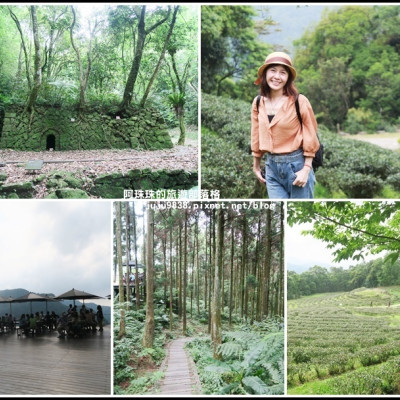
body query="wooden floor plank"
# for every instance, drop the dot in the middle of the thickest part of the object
(45, 365)
(178, 379)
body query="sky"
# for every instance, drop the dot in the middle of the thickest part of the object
(304, 251)
(53, 246)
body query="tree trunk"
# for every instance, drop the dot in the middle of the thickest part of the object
(243, 266)
(171, 299)
(231, 277)
(118, 235)
(267, 267)
(128, 255)
(216, 334)
(210, 282)
(37, 77)
(184, 275)
(161, 59)
(197, 267)
(144, 284)
(83, 75)
(148, 336)
(164, 251)
(206, 275)
(180, 292)
(133, 74)
(182, 128)
(130, 84)
(137, 286)
(17, 23)
(281, 263)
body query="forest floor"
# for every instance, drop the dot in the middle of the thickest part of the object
(92, 163)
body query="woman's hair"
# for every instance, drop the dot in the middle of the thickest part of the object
(289, 88)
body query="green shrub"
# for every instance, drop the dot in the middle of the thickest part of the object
(394, 180)
(359, 120)
(351, 168)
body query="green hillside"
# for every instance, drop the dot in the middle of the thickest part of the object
(345, 343)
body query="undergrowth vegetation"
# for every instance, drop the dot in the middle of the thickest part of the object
(251, 360)
(130, 356)
(252, 356)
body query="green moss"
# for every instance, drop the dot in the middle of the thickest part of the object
(93, 130)
(71, 194)
(23, 191)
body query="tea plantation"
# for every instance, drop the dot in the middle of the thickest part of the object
(345, 343)
(352, 169)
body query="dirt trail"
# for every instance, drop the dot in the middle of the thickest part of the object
(384, 142)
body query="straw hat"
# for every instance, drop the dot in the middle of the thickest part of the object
(277, 57)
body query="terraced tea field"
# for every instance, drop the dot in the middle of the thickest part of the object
(345, 343)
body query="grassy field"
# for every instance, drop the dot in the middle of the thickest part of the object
(345, 343)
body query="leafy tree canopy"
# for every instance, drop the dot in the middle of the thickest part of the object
(353, 229)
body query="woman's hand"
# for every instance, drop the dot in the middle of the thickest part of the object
(302, 177)
(257, 169)
(257, 172)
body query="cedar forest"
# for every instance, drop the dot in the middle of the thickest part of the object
(212, 272)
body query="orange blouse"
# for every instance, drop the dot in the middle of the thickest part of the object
(284, 134)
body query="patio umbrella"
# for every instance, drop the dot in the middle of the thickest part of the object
(75, 294)
(31, 297)
(8, 300)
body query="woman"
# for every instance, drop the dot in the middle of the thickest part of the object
(100, 318)
(277, 131)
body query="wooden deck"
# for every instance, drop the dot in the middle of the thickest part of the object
(46, 365)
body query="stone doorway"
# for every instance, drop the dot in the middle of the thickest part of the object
(51, 142)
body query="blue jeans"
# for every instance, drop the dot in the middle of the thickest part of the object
(280, 173)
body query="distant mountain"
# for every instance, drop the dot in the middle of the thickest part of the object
(14, 293)
(293, 21)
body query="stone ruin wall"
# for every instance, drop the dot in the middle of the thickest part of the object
(63, 129)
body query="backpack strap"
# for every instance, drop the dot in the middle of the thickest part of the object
(296, 103)
(258, 101)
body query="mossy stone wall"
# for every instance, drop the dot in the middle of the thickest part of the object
(61, 185)
(66, 129)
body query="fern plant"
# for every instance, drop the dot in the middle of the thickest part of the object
(253, 363)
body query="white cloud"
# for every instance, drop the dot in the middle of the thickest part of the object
(53, 246)
(305, 251)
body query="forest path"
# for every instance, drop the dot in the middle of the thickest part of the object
(180, 374)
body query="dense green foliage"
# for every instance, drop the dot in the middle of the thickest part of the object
(351, 168)
(347, 64)
(337, 279)
(350, 61)
(252, 361)
(230, 51)
(352, 229)
(106, 41)
(344, 343)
